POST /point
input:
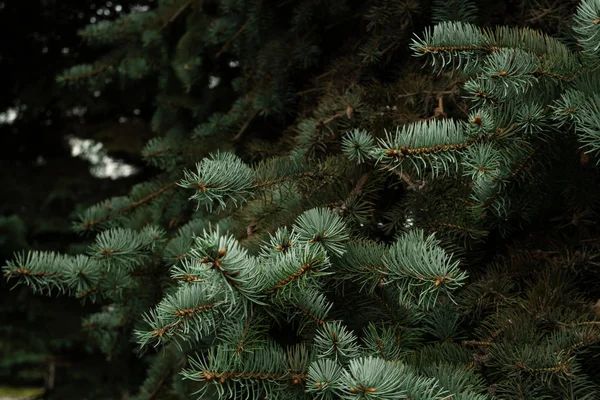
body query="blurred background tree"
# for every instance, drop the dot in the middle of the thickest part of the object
(60, 150)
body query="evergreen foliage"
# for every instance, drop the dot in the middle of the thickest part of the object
(295, 245)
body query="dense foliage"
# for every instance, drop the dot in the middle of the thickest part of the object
(327, 220)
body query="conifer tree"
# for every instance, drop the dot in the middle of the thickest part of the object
(313, 233)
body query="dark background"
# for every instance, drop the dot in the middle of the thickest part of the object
(42, 185)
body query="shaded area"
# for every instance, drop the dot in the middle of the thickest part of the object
(59, 150)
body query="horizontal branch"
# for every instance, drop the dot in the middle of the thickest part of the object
(130, 207)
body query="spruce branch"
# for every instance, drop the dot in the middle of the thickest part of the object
(362, 264)
(454, 10)
(278, 243)
(118, 247)
(189, 313)
(320, 227)
(370, 377)
(224, 255)
(83, 72)
(468, 48)
(324, 378)
(358, 145)
(296, 265)
(41, 271)
(188, 271)
(168, 363)
(387, 342)
(246, 335)
(220, 177)
(334, 340)
(92, 222)
(307, 302)
(422, 269)
(587, 26)
(258, 373)
(431, 145)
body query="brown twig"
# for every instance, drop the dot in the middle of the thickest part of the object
(429, 92)
(542, 15)
(177, 13)
(329, 119)
(439, 110)
(226, 45)
(309, 91)
(159, 385)
(238, 136)
(412, 185)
